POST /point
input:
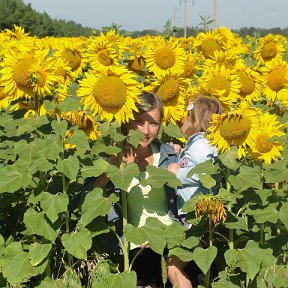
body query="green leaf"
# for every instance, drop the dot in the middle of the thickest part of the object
(182, 253)
(153, 231)
(96, 205)
(60, 128)
(52, 147)
(247, 259)
(276, 172)
(158, 177)
(16, 266)
(79, 138)
(263, 215)
(248, 177)
(77, 243)
(50, 283)
(70, 104)
(134, 137)
(283, 214)
(206, 167)
(172, 130)
(122, 280)
(230, 159)
(122, 177)
(204, 257)
(207, 180)
(69, 167)
(37, 224)
(53, 204)
(175, 234)
(38, 252)
(99, 167)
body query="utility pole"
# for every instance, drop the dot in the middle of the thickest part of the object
(215, 15)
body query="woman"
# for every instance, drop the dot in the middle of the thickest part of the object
(145, 201)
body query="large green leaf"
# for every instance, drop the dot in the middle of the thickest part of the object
(69, 167)
(276, 172)
(206, 167)
(77, 243)
(182, 253)
(207, 180)
(248, 177)
(96, 205)
(230, 159)
(79, 138)
(99, 167)
(175, 234)
(153, 231)
(247, 259)
(134, 137)
(16, 266)
(158, 177)
(60, 127)
(283, 214)
(38, 252)
(204, 257)
(265, 214)
(50, 283)
(122, 177)
(172, 130)
(53, 204)
(11, 180)
(37, 224)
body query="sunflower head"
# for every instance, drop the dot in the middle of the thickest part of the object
(212, 207)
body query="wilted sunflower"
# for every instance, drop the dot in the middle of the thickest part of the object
(164, 57)
(252, 83)
(270, 47)
(266, 149)
(276, 77)
(28, 73)
(211, 206)
(234, 128)
(84, 122)
(111, 94)
(222, 83)
(171, 89)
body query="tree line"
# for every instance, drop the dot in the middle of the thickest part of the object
(42, 25)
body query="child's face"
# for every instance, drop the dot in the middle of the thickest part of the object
(147, 122)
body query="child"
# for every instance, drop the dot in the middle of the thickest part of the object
(197, 150)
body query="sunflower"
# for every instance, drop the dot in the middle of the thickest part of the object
(4, 99)
(228, 59)
(102, 53)
(192, 64)
(135, 54)
(28, 73)
(222, 83)
(270, 47)
(110, 94)
(17, 34)
(266, 149)
(234, 128)
(84, 122)
(171, 89)
(276, 77)
(207, 43)
(252, 83)
(165, 57)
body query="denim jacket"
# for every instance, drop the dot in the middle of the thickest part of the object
(197, 150)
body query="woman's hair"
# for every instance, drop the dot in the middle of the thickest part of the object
(148, 102)
(199, 117)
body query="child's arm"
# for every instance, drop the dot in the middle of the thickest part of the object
(173, 167)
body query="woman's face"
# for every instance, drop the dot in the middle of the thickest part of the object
(147, 122)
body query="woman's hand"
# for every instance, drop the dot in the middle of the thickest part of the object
(173, 167)
(176, 147)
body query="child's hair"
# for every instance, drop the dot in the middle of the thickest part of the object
(148, 101)
(199, 115)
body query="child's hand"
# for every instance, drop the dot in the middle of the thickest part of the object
(173, 167)
(176, 147)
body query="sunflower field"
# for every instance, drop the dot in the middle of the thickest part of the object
(62, 102)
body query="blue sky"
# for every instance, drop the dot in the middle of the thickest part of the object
(152, 14)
